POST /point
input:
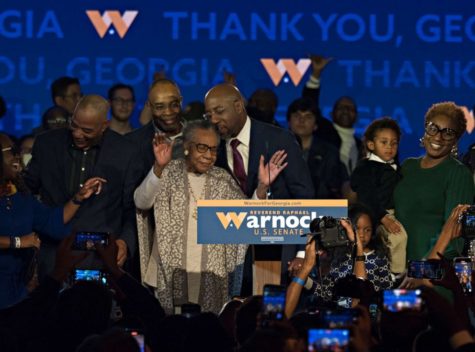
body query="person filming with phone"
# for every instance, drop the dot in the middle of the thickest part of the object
(369, 264)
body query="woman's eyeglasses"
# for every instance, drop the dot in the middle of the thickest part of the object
(203, 148)
(12, 149)
(448, 134)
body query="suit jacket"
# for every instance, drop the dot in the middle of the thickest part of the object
(142, 138)
(293, 183)
(112, 210)
(326, 169)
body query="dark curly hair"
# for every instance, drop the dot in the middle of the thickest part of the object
(355, 211)
(376, 125)
(302, 104)
(376, 243)
(452, 111)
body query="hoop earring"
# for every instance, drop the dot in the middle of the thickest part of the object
(421, 142)
(455, 151)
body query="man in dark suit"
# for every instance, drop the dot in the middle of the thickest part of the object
(341, 132)
(244, 141)
(164, 102)
(63, 159)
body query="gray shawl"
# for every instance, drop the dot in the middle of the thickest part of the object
(163, 250)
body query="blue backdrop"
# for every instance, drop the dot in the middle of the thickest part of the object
(393, 59)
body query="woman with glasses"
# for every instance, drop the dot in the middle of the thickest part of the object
(21, 215)
(172, 262)
(432, 185)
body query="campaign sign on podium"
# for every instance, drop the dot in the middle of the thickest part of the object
(262, 221)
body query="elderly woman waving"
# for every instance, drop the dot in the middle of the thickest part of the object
(172, 262)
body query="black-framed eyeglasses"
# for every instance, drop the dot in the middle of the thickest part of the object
(203, 148)
(448, 134)
(12, 149)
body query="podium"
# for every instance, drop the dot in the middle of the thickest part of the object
(273, 228)
(266, 266)
(265, 272)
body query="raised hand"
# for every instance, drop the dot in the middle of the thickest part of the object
(453, 226)
(90, 187)
(318, 64)
(229, 77)
(162, 149)
(451, 230)
(350, 233)
(269, 172)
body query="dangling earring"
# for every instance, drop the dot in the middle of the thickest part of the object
(186, 152)
(421, 140)
(454, 151)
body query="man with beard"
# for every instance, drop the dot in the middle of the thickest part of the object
(164, 101)
(244, 140)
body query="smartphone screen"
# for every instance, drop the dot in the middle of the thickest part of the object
(273, 302)
(139, 337)
(340, 318)
(399, 299)
(468, 225)
(373, 312)
(85, 241)
(190, 310)
(90, 275)
(328, 340)
(463, 270)
(424, 269)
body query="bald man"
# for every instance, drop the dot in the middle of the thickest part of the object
(247, 139)
(164, 103)
(64, 158)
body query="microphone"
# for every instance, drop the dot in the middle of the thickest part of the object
(269, 192)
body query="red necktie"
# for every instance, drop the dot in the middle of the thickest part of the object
(238, 166)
